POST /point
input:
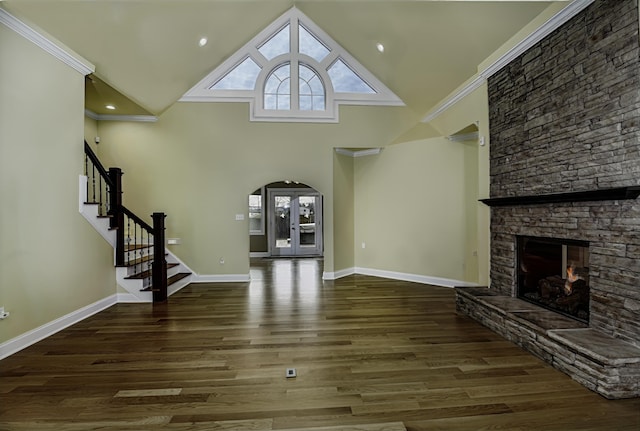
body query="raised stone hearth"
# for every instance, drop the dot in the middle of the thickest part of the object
(600, 362)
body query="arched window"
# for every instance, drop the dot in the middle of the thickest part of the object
(292, 49)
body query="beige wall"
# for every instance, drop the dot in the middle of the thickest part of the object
(473, 109)
(52, 262)
(199, 162)
(410, 209)
(343, 216)
(90, 132)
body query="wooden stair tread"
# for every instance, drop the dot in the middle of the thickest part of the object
(174, 278)
(133, 247)
(138, 261)
(147, 273)
(179, 276)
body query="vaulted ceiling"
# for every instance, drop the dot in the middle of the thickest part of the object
(148, 50)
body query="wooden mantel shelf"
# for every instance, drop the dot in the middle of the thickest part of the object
(617, 193)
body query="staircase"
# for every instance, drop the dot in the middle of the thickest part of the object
(144, 267)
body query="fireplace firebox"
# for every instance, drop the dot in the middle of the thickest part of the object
(554, 273)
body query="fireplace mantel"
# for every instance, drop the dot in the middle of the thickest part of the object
(618, 193)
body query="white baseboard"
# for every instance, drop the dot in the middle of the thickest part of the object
(338, 274)
(423, 279)
(128, 298)
(31, 337)
(220, 278)
(259, 254)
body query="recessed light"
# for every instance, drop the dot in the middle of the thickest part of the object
(380, 47)
(203, 41)
(110, 107)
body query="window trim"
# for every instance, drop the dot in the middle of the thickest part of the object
(202, 91)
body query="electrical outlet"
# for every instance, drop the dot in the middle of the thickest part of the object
(3, 314)
(222, 261)
(291, 372)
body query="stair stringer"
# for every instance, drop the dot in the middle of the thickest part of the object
(134, 287)
(90, 213)
(182, 267)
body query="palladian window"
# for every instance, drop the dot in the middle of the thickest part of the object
(292, 50)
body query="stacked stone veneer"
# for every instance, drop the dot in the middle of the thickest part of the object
(565, 117)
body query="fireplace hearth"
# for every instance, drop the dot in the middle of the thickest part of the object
(554, 273)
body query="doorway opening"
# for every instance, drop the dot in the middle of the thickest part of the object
(286, 221)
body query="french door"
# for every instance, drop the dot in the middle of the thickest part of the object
(295, 222)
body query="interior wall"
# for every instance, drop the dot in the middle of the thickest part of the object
(410, 209)
(200, 161)
(90, 132)
(473, 109)
(344, 218)
(52, 262)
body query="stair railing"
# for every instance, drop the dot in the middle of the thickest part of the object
(138, 244)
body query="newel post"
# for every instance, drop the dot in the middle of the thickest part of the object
(159, 265)
(115, 211)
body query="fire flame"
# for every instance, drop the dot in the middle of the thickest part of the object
(571, 278)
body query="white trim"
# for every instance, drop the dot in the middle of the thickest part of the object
(359, 153)
(338, 274)
(536, 36)
(64, 54)
(220, 278)
(129, 118)
(90, 213)
(31, 337)
(416, 278)
(202, 91)
(465, 137)
(259, 254)
(130, 298)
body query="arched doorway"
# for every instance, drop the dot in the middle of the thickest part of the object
(285, 219)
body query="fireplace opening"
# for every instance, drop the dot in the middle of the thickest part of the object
(554, 273)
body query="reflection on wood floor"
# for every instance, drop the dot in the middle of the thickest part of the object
(370, 354)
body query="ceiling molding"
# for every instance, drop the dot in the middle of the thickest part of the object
(464, 137)
(127, 118)
(359, 153)
(63, 54)
(536, 36)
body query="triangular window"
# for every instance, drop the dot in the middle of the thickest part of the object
(292, 50)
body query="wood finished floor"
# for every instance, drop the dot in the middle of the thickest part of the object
(367, 351)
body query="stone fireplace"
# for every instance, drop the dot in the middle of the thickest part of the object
(564, 176)
(554, 273)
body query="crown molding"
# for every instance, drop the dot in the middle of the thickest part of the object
(128, 118)
(361, 153)
(465, 137)
(63, 54)
(536, 36)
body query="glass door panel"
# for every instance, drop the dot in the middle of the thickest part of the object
(306, 224)
(295, 228)
(282, 222)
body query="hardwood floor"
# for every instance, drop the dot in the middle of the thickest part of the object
(370, 354)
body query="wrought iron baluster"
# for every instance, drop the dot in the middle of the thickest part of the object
(100, 208)
(86, 173)
(93, 185)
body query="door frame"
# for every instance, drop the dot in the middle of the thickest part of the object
(318, 250)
